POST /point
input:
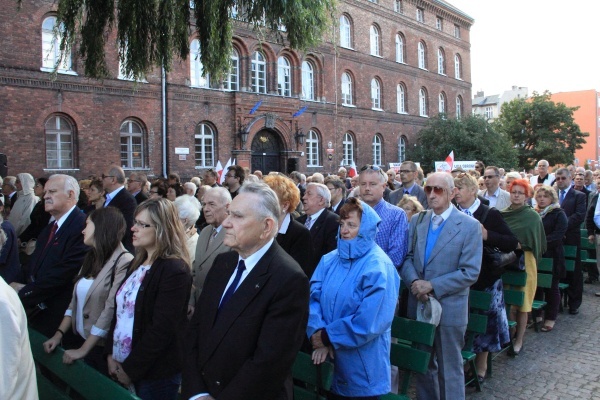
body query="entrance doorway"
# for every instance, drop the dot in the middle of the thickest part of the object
(266, 152)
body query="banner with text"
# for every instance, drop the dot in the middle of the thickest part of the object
(442, 166)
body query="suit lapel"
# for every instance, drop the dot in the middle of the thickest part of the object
(216, 243)
(318, 224)
(421, 243)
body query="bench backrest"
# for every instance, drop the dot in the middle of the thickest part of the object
(545, 265)
(413, 332)
(570, 251)
(544, 280)
(314, 377)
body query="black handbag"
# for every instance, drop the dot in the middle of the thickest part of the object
(495, 258)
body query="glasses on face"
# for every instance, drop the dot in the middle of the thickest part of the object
(369, 166)
(230, 176)
(436, 189)
(489, 176)
(133, 180)
(561, 178)
(141, 225)
(406, 171)
(107, 176)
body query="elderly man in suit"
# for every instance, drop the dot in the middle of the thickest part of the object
(408, 175)
(322, 223)
(498, 198)
(573, 204)
(443, 261)
(113, 180)
(57, 258)
(215, 204)
(136, 185)
(252, 313)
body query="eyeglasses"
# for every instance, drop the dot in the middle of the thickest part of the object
(369, 166)
(562, 178)
(230, 176)
(436, 189)
(489, 176)
(141, 225)
(406, 171)
(107, 176)
(133, 180)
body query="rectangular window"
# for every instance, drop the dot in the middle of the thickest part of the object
(489, 112)
(398, 7)
(420, 15)
(457, 31)
(439, 23)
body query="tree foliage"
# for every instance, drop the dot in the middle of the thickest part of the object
(541, 129)
(151, 32)
(471, 138)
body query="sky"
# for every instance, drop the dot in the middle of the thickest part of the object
(539, 44)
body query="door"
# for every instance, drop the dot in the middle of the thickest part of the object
(266, 149)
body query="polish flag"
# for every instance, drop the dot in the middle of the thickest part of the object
(219, 169)
(222, 176)
(450, 160)
(352, 170)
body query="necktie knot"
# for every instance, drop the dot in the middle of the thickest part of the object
(436, 221)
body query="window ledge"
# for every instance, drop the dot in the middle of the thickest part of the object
(402, 112)
(347, 48)
(201, 167)
(424, 116)
(442, 74)
(348, 105)
(377, 109)
(59, 71)
(61, 170)
(424, 69)
(199, 87)
(400, 62)
(137, 169)
(376, 55)
(314, 166)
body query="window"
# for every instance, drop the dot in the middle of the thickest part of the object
(375, 45)
(442, 103)
(345, 32)
(459, 107)
(259, 73)
(423, 106)
(457, 67)
(399, 48)
(346, 89)
(196, 68)
(375, 94)
(132, 145)
(284, 82)
(441, 62)
(59, 143)
(422, 55)
(402, 149)
(51, 53)
(312, 149)
(439, 23)
(489, 112)
(232, 81)
(373, 1)
(204, 145)
(348, 144)
(401, 98)
(457, 31)
(398, 6)
(420, 15)
(377, 150)
(308, 81)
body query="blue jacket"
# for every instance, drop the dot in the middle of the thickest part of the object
(353, 295)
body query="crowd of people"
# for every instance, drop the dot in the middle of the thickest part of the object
(208, 291)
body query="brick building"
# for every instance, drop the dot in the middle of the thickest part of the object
(361, 96)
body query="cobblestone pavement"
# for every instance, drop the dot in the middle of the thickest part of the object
(562, 364)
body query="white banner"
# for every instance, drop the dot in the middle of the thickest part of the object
(442, 166)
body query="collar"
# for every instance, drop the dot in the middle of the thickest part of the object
(378, 206)
(446, 214)
(473, 207)
(285, 224)
(253, 259)
(335, 206)
(114, 192)
(566, 190)
(62, 219)
(218, 229)
(409, 189)
(317, 214)
(136, 193)
(495, 194)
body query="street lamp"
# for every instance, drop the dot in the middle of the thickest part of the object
(243, 134)
(299, 136)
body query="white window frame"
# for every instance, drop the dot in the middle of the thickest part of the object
(441, 62)
(399, 48)
(457, 66)
(398, 7)
(348, 149)
(402, 149)
(457, 31)
(204, 146)
(312, 149)
(374, 41)
(196, 67)
(423, 112)
(489, 112)
(442, 103)
(128, 158)
(308, 81)
(345, 32)
(420, 15)
(51, 52)
(422, 55)
(459, 106)
(347, 99)
(284, 77)
(375, 94)
(62, 139)
(376, 146)
(439, 23)
(401, 99)
(259, 73)
(232, 82)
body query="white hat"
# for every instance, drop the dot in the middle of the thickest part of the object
(430, 311)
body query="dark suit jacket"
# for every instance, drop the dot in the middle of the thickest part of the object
(140, 197)
(589, 217)
(125, 202)
(160, 321)
(323, 233)
(574, 205)
(297, 243)
(50, 272)
(555, 226)
(246, 353)
(416, 190)
(338, 208)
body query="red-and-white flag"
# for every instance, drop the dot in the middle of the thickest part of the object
(352, 171)
(224, 172)
(450, 160)
(219, 169)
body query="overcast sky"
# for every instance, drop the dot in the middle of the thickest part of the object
(539, 44)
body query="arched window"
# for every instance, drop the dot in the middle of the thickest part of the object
(442, 103)
(459, 107)
(196, 67)
(457, 67)
(132, 145)
(345, 32)
(51, 53)
(423, 106)
(346, 89)
(375, 44)
(399, 48)
(204, 145)
(308, 81)
(375, 94)
(402, 149)
(259, 73)
(441, 62)
(59, 143)
(232, 82)
(401, 98)
(376, 144)
(284, 79)
(348, 144)
(312, 149)
(422, 55)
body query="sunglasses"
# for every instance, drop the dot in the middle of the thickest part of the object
(436, 189)
(369, 166)
(561, 178)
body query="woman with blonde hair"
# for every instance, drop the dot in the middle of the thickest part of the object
(410, 205)
(145, 340)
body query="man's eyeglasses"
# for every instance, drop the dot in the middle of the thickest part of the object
(406, 171)
(436, 189)
(489, 176)
(230, 176)
(141, 225)
(562, 178)
(369, 166)
(107, 176)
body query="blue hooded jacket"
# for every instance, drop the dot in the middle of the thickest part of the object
(353, 296)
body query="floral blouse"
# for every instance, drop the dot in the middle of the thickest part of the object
(125, 305)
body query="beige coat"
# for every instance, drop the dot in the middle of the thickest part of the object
(204, 259)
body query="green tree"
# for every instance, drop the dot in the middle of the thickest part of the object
(151, 32)
(541, 129)
(471, 138)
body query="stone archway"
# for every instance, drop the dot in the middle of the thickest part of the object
(266, 151)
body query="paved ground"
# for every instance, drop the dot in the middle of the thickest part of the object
(562, 364)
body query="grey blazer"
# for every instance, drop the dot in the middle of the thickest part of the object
(453, 265)
(205, 258)
(417, 191)
(503, 199)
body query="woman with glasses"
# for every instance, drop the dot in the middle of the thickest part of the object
(527, 225)
(145, 339)
(92, 306)
(158, 189)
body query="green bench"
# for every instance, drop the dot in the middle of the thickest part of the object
(311, 381)
(544, 281)
(58, 381)
(570, 257)
(478, 302)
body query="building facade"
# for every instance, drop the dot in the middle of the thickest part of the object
(360, 97)
(490, 107)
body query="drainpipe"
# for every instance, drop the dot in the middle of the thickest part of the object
(165, 158)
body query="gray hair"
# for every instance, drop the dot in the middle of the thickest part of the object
(188, 209)
(563, 171)
(10, 181)
(70, 184)
(382, 175)
(447, 178)
(251, 179)
(223, 194)
(318, 177)
(190, 185)
(322, 191)
(268, 202)
(118, 173)
(512, 174)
